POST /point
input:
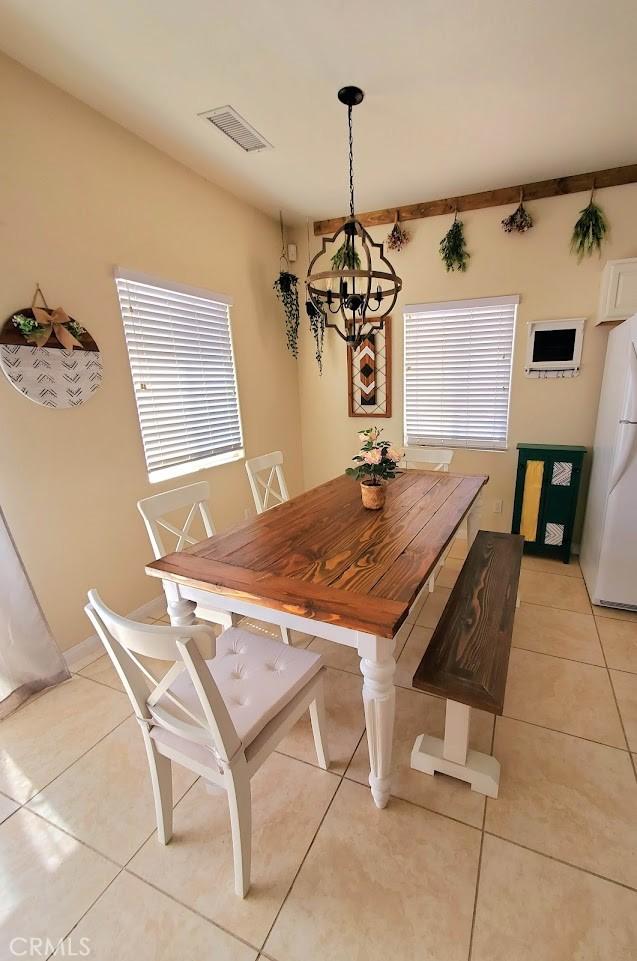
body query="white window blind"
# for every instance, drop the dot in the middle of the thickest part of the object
(458, 372)
(180, 351)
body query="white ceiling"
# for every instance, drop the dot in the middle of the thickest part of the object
(460, 96)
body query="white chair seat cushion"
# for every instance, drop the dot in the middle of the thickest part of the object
(256, 676)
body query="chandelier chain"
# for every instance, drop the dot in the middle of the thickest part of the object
(351, 162)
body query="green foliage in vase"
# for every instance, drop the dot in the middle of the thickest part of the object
(346, 257)
(286, 289)
(589, 231)
(453, 248)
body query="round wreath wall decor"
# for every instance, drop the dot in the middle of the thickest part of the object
(48, 356)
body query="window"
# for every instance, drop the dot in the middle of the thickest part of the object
(180, 351)
(458, 372)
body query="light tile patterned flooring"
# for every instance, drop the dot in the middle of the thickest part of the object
(547, 872)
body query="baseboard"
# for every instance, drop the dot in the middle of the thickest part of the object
(88, 650)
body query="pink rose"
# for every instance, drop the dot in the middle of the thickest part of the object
(372, 456)
(393, 454)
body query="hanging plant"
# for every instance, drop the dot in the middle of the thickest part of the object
(397, 237)
(346, 257)
(519, 221)
(317, 326)
(286, 289)
(589, 231)
(453, 248)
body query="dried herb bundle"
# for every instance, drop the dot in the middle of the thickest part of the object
(453, 248)
(398, 237)
(286, 288)
(519, 221)
(346, 257)
(589, 231)
(317, 325)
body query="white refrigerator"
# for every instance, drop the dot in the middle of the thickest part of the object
(609, 543)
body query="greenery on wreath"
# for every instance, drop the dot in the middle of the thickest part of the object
(29, 325)
(377, 461)
(453, 249)
(286, 289)
(589, 231)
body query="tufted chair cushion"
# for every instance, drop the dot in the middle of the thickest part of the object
(256, 676)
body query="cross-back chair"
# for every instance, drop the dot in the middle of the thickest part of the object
(433, 458)
(221, 717)
(192, 501)
(267, 481)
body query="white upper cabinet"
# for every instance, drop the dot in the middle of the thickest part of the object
(618, 294)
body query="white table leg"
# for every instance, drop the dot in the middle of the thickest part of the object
(379, 700)
(473, 521)
(180, 611)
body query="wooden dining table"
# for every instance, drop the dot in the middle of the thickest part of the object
(322, 564)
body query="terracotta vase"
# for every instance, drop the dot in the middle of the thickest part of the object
(373, 496)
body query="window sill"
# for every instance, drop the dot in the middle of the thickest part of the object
(194, 466)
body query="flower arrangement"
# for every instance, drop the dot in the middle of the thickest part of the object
(377, 461)
(397, 237)
(519, 221)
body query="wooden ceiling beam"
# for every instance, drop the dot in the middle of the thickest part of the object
(613, 177)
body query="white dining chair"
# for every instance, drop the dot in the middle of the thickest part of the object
(192, 501)
(271, 490)
(220, 718)
(429, 458)
(432, 458)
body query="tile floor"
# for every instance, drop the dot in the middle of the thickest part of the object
(547, 872)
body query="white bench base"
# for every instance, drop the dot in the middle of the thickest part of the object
(453, 756)
(482, 771)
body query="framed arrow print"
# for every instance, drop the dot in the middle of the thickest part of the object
(369, 375)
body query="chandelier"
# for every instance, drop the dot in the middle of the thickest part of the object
(361, 285)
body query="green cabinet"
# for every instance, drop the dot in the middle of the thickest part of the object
(546, 490)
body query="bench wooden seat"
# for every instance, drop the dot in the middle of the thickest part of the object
(467, 658)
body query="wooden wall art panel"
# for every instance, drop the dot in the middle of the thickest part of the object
(369, 375)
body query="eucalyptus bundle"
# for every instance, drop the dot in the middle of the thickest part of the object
(453, 248)
(398, 237)
(519, 221)
(589, 231)
(286, 289)
(346, 257)
(317, 326)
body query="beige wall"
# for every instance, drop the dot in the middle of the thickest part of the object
(551, 285)
(79, 195)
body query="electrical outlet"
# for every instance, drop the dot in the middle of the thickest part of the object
(248, 513)
(497, 506)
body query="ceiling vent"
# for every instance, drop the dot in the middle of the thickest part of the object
(228, 121)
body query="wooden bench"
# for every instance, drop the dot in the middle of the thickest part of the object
(467, 658)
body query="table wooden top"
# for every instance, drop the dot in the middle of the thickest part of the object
(322, 555)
